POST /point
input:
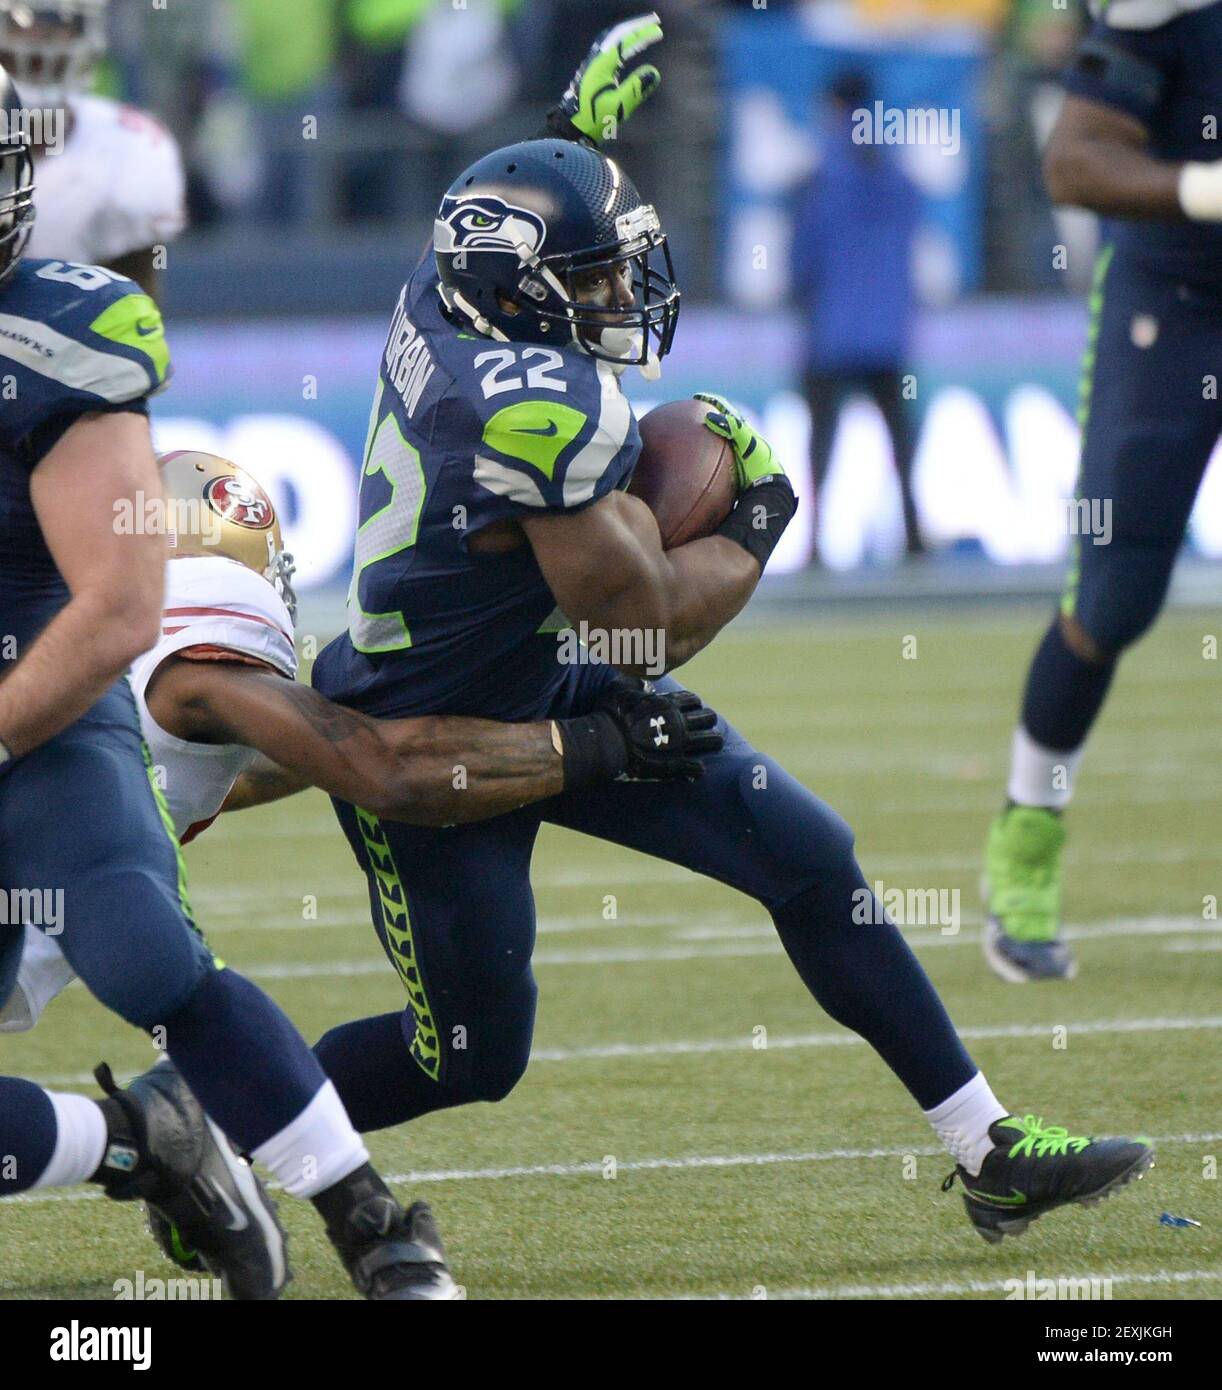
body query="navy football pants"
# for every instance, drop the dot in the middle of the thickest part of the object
(79, 818)
(455, 914)
(1151, 419)
(78, 815)
(1151, 423)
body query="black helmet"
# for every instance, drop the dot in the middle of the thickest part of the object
(521, 223)
(16, 178)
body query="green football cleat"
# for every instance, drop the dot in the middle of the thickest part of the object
(1022, 896)
(1036, 1167)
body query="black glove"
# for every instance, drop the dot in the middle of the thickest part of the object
(639, 734)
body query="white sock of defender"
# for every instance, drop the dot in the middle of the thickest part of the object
(1041, 776)
(317, 1149)
(962, 1122)
(80, 1140)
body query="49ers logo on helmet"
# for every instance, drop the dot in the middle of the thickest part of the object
(241, 501)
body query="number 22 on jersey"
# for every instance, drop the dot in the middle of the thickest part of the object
(386, 532)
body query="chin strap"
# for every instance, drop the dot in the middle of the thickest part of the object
(453, 300)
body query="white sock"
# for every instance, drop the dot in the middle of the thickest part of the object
(962, 1122)
(1040, 776)
(80, 1140)
(317, 1149)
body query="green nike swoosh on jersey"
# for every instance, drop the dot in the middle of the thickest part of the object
(550, 433)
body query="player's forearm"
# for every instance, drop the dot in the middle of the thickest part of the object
(264, 781)
(431, 771)
(1112, 178)
(714, 581)
(453, 770)
(685, 597)
(74, 661)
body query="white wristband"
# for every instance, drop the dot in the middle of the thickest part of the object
(5, 755)
(1200, 191)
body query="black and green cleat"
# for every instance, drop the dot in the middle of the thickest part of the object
(205, 1203)
(1036, 1167)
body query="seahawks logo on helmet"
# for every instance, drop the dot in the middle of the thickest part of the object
(485, 223)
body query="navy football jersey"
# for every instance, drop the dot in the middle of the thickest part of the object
(1160, 61)
(466, 432)
(73, 340)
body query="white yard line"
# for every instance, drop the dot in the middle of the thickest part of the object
(703, 1047)
(641, 1165)
(1157, 1277)
(765, 945)
(934, 936)
(876, 864)
(845, 1039)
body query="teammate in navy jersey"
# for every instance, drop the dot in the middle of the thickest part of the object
(81, 816)
(492, 495)
(1137, 142)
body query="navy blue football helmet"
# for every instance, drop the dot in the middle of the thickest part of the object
(16, 178)
(522, 223)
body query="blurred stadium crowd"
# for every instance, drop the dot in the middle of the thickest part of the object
(406, 92)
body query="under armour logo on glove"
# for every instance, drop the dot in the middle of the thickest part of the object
(667, 735)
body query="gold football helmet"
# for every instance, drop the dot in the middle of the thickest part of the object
(214, 507)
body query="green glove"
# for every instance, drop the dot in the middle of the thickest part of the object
(754, 459)
(601, 95)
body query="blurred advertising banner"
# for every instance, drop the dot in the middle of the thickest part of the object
(924, 104)
(994, 389)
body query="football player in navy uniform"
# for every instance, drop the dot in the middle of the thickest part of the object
(81, 816)
(1136, 142)
(493, 496)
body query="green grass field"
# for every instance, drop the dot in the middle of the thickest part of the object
(800, 1168)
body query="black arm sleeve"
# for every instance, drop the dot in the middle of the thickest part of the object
(559, 127)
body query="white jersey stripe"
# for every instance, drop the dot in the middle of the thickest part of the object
(51, 354)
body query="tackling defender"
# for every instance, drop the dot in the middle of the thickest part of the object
(1135, 143)
(218, 696)
(114, 194)
(492, 496)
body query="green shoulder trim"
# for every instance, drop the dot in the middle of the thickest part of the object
(537, 432)
(135, 322)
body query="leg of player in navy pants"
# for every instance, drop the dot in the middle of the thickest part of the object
(1152, 422)
(456, 916)
(1151, 417)
(79, 814)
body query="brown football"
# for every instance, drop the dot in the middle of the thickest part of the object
(685, 474)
